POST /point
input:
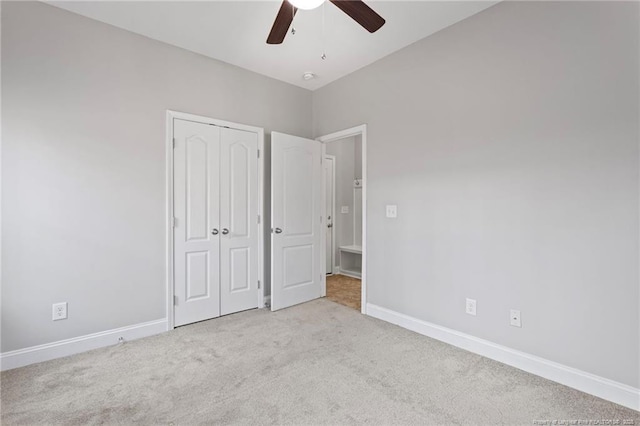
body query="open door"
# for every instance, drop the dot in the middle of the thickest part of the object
(297, 271)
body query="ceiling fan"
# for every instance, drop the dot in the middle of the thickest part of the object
(356, 9)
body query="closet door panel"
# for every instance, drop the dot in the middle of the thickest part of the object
(196, 211)
(239, 220)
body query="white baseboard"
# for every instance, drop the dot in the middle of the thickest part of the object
(46, 352)
(336, 270)
(351, 275)
(586, 382)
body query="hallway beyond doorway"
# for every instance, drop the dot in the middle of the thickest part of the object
(344, 290)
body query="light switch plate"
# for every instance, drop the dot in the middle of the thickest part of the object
(392, 211)
(344, 209)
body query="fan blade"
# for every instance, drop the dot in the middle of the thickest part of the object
(361, 13)
(282, 23)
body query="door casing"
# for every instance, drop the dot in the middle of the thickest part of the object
(353, 131)
(171, 116)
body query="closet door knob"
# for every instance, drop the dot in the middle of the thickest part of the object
(225, 231)
(214, 231)
(278, 231)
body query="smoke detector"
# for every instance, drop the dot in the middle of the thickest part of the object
(308, 76)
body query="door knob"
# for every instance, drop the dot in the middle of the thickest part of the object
(214, 231)
(225, 231)
(278, 231)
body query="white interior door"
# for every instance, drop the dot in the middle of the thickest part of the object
(329, 179)
(297, 271)
(238, 220)
(196, 210)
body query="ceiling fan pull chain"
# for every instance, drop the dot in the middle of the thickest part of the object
(324, 38)
(293, 15)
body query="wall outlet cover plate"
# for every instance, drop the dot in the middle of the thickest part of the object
(470, 307)
(514, 318)
(59, 311)
(392, 211)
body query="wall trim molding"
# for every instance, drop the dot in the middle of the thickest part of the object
(353, 131)
(601, 387)
(62, 348)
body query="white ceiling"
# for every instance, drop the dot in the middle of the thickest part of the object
(236, 32)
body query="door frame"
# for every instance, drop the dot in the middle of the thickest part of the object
(170, 117)
(331, 137)
(333, 215)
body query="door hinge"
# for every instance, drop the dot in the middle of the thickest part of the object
(175, 300)
(258, 219)
(258, 284)
(174, 222)
(258, 153)
(174, 143)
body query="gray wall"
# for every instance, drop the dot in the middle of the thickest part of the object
(509, 142)
(83, 184)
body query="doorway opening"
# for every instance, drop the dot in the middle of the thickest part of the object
(345, 200)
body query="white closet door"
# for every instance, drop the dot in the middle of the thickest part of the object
(239, 220)
(296, 207)
(196, 209)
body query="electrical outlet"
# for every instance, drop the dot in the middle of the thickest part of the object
(392, 211)
(471, 306)
(514, 318)
(59, 311)
(344, 209)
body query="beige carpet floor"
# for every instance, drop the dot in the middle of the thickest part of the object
(344, 290)
(316, 363)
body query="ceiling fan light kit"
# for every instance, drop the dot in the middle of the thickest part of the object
(306, 4)
(356, 9)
